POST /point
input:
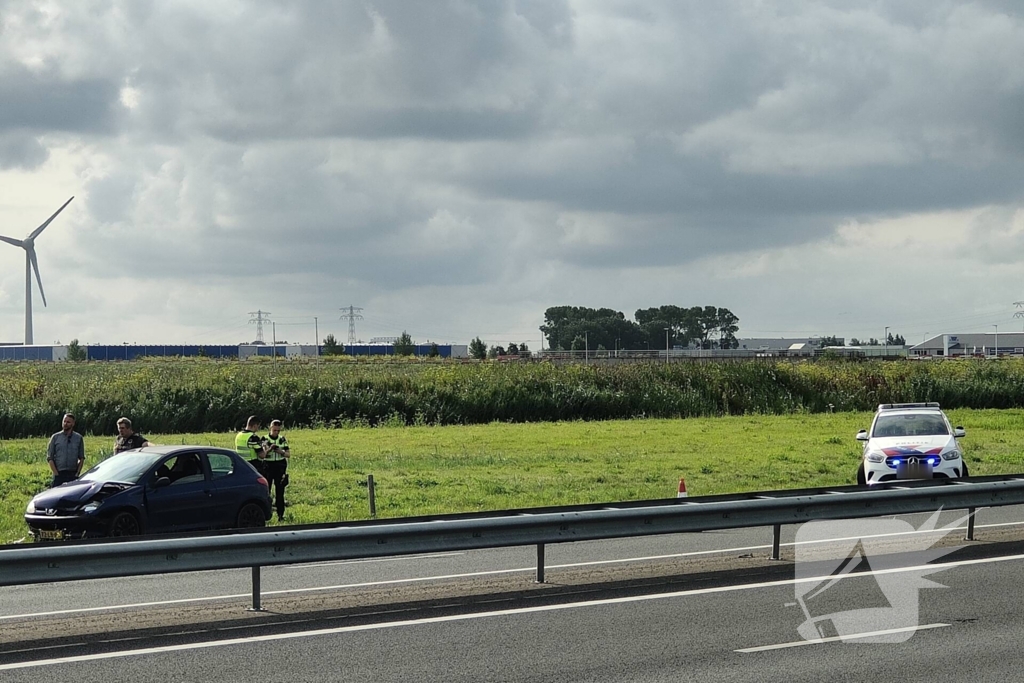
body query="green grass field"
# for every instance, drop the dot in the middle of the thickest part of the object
(429, 470)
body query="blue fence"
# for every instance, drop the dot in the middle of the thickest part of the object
(134, 352)
(26, 353)
(129, 352)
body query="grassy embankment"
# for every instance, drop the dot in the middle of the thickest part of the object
(200, 395)
(439, 469)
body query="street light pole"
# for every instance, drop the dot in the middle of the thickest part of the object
(666, 344)
(997, 340)
(886, 342)
(316, 340)
(586, 347)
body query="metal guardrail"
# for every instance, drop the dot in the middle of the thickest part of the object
(21, 565)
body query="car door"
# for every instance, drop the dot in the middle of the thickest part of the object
(231, 486)
(186, 502)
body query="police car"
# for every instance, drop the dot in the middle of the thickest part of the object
(910, 441)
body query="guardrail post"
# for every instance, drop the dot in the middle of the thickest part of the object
(970, 524)
(776, 541)
(540, 563)
(373, 496)
(256, 591)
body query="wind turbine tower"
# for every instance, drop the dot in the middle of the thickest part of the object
(32, 264)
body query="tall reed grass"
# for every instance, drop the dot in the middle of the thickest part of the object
(193, 396)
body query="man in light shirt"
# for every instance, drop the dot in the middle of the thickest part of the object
(66, 452)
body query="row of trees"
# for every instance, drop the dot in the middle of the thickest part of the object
(571, 328)
(892, 340)
(479, 350)
(404, 346)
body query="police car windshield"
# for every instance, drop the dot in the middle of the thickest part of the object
(127, 467)
(913, 424)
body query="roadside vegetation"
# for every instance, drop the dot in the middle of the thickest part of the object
(441, 469)
(205, 395)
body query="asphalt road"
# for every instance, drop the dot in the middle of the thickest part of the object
(655, 609)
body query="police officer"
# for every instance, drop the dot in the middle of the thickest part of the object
(249, 445)
(275, 466)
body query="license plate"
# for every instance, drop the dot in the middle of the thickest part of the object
(51, 534)
(917, 470)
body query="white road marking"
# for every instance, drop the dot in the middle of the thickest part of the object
(496, 613)
(834, 639)
(444, 577)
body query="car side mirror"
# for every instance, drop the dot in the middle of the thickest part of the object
(161, 482)
(959, 432)
(862, 435)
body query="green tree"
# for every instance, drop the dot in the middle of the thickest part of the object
(563, 324)
(828, 341)
(727, 326)
(76, 353)
(404, 346)
(896, 340)
(524, 350)
(653, 321)
(332, 347)
(434, 350)
(477, 349)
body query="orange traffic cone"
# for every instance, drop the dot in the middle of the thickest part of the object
(682, 489)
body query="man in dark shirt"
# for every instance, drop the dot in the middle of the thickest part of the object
(127, 439)
(65, 453)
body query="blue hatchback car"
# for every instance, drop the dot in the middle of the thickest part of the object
(158, 489)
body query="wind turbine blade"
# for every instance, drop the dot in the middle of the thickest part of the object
(35, 267)
(35, 233)
(11, 240)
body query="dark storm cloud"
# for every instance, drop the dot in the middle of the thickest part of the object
(46, 101)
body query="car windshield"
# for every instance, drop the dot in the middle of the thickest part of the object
(913, 424)
(127, 467)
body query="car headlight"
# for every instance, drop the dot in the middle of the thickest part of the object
(951, 455)
(31, 509)
(875, 457)
(90, 507)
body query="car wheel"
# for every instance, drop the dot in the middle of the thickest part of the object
(861, 479)
(251, 515)
(125, 524)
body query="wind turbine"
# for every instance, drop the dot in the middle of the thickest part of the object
(29, 245)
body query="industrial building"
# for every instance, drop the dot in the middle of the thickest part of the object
(981, 345)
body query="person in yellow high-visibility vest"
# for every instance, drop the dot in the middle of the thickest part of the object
(249, 445)
(275, 466)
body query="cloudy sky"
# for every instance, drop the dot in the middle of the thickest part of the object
(455, 168)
